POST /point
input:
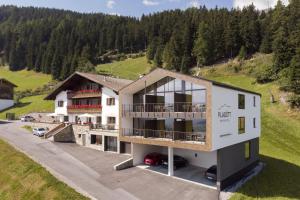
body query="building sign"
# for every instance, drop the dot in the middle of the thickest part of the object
(224, 113)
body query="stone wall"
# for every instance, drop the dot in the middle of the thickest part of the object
(80, 130)
(65, 135)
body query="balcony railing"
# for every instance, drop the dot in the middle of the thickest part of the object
(163, 134)
(84, 94)
(108, 127)
(165, 107)
(84, 106)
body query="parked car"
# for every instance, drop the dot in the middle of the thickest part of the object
(178, 161)
(39, 131)
(211, 173)
(153, 159)
(27, 118)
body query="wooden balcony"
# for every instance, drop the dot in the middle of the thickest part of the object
(84, 109)
(165, 110)
(81, 94)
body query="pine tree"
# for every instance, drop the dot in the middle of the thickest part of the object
(172, 53)
(202, 49)
(158, 58)
(281, 49)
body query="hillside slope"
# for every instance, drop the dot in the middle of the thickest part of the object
(280, 140)
(129, 68)
(27, 80)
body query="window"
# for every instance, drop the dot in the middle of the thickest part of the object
(241, 125)
(241, 101)
(254, 123)
(111, 120)
(60, 104)
(247, 151)
(96, 139)
(254, 101)
(110, 101)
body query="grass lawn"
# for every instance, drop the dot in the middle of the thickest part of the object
(129, 68)
(25, 79)
(279, 144)
(22, 178)
(30, 104)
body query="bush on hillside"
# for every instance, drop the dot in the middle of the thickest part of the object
(294, 101)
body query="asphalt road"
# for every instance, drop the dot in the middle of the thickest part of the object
(91, 173)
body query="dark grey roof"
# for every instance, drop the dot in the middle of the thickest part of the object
(8, 82)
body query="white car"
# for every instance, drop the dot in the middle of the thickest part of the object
(27, 119)
(39, 131)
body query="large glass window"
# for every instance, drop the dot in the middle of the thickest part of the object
(167, 87)
(241, 125)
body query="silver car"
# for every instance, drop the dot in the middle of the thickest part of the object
(27, 119)
(39, 131)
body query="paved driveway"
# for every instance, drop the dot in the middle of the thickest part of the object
(91, 172)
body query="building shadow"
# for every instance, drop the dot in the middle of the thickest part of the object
(278, 179)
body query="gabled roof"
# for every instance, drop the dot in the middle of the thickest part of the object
(159, 73)
(114, 84)
(3, 80)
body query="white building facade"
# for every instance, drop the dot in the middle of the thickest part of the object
(91, 103)
(206, 122)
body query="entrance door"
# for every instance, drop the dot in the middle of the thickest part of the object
(111, 144)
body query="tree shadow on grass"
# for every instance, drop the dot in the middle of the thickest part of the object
(278, 179)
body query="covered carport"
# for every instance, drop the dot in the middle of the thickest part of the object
(198, 161)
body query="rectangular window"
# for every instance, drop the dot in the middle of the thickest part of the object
(254, 101)
(60, 104)
(247, 151)
(241, 101)
(241, 125)
(96, 139)
(110, 101)
(111, 120)
(254, 123)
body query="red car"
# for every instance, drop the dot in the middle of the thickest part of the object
(153, 159)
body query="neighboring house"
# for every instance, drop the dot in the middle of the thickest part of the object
(6, 94)
(91, 103)
(206, 122)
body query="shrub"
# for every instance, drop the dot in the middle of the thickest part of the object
(294, 101)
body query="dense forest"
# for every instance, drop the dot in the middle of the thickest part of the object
(59, 42)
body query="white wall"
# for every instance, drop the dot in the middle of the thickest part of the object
(6, 103)
(225, 129)
(62, 96)
(109, 111)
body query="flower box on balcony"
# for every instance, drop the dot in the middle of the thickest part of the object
(84, 107)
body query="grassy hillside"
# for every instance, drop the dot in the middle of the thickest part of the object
(129, 68)
(25, 79)
(28, 105)
(22, 178)
(280, 141)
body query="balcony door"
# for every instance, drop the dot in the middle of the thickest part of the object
(182, 102)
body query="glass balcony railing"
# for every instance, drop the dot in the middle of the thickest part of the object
(165, 107)
(164, 134)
